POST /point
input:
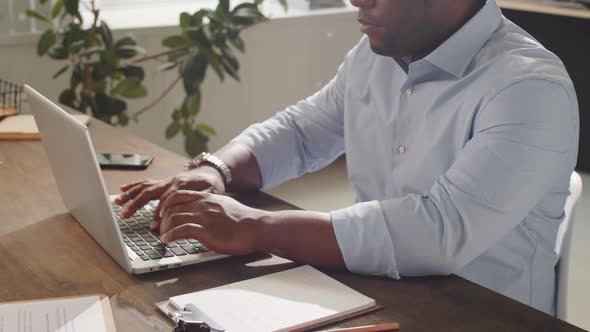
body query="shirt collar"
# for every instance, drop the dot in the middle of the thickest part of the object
(455, 54)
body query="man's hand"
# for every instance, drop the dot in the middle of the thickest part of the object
(219, 222)
(203, 178)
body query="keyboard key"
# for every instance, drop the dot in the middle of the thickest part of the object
(202, 249)
(178, 251)
(136, 239)
(141, 243)
(145, 247)
(159, 246)
(172, 245)
(190, 249)
(137, 250)
(168, 253)
(152, 254)
(154, 242)
(180, 241)
(191, 241)
(144, 257)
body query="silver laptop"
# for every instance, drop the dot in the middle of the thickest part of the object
(73, 161)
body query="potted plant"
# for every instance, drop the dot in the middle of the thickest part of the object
(105, 72)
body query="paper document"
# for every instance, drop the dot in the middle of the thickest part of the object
(24, 126)
(82, 314)
(283, 301)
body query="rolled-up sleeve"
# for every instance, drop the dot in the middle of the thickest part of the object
(523, 141)
(303, 138)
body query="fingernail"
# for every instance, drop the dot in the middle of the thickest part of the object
(164, 238)
(161, 213)
(154, 225)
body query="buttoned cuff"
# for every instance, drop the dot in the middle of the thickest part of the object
(364, 240)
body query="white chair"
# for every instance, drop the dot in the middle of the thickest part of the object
(563, 245)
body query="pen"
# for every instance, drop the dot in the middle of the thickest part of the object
(368, 328)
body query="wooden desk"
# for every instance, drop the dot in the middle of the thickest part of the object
(45, 253)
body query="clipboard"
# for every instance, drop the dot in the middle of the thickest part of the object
(293, 300)
(104, 301)
(173, 313)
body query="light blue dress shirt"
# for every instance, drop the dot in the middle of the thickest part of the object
(460, 161)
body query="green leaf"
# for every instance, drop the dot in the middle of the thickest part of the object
(72, 33)
(223, 7)
(127, 52)
(178, 56)
(33, 14)
(61, 71)
(247, 14)
(67, 97)
(76, 77)
(238, 43)
(185, 20)
(172, 130)
(76, 46)
(58, 53)
(72, 7)
(168, 66)
(193, 72)
(47, 40)
(125, 41)
(284, 4)
(57, 8)
(206, 129)
(215, 62)
(108, 105)
(195, 142)
(192, 103)
(99, 86)
(123, 119)
(99, 72)
(230, 63)
(133, 71)
(174, 41)
(198, 37)
(106, 34)
(130, 88)
(91, 51)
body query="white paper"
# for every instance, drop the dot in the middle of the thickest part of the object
(276, 302)
(82, 314)
(25, 124)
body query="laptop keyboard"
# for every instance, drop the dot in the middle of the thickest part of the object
(138, 236)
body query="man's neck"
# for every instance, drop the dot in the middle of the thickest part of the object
(462, 13)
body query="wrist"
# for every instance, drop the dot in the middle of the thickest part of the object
(264, 223)
(212, 175)
(211, 160)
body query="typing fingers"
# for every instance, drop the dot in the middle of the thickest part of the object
(157, 218)
(147, 194)
(177, 219)
(130, 193)
(179, 197)
(185, 231)
(128, 186)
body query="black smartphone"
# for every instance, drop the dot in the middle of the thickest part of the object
(124, 161)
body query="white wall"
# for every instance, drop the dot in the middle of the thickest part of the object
(286, 59)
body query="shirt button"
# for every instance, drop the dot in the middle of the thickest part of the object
(409, 91)
(402, 149)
